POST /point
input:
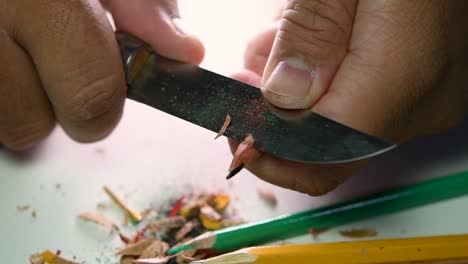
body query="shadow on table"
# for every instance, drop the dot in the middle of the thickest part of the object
(417, 160)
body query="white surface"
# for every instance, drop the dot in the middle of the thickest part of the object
(151, 156)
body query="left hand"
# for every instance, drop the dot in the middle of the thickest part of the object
(158, 23)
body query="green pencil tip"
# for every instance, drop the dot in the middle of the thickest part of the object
(176, 250)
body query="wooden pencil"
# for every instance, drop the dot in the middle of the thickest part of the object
(436, 250)
(286, 226)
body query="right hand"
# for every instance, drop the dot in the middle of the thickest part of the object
(60, 62)
(395, 69)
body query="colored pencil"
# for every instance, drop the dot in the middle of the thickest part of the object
(286, 226)
(436, 249)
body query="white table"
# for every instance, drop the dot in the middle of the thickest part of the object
(152, 156)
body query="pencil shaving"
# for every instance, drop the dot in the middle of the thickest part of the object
(209, 218)
(226, 124)
(187, 228)
(23, 208)
(126, 260)
(169, 222)
(359, 233)
(219, 202)
(51, 258)
(268, 196)
(136, 249)
(134, 214)
(161, 260)
(186, 256)
(36, 259)
(99, 219)
(157, 249)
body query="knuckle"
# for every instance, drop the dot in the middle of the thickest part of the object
(316, 26)
(25, 135)
(94, 94)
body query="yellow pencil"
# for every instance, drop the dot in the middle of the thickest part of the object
(436, 250)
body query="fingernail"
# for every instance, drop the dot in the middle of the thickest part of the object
(289, 85)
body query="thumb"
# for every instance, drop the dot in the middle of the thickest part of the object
(158, 23)
(309, 47)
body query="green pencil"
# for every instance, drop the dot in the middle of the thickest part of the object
(291, 225)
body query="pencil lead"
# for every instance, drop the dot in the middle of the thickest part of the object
(234, 171)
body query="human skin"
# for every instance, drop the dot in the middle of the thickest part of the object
(61, 63)
(390, 68)
(394, 69)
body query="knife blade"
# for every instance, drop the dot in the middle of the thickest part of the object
(205, 98)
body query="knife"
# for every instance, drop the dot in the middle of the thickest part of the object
(205, 98)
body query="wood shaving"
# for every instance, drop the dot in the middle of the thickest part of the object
(315, 233)
(210, 213)
(23, 208)
(36, 259)
(359, 233)
(161, 260)
(99, 150)
(51, 258)
(219, 202)
(134, 214)
(268, 196)
(186, 256)
(124, 238)
(157, 249)
(169, 222)
(102, 206)
(189, 226)
(136, 249)
(227, 122)
(192, 206)
(127, 259)
(99, 219)
(244, 153)
(209, 218)
(148, 212)
(150, 243)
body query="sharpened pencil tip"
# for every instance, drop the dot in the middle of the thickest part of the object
(234, 172)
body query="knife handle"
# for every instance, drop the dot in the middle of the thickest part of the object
(134, 54)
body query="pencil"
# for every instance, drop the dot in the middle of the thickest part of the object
(286, 226)
(437, 249)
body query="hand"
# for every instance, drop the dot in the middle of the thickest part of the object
(61, 62)
(395, 69)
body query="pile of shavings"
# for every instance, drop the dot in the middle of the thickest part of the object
(181, 220)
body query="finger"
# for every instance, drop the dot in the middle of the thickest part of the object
(248, 77)
(77, 57)
(158, 23)
(394, 76)
(26, 114)
(258, 50)
(311, 179)
(311, 43)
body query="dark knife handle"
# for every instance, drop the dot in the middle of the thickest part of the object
(134, 54)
